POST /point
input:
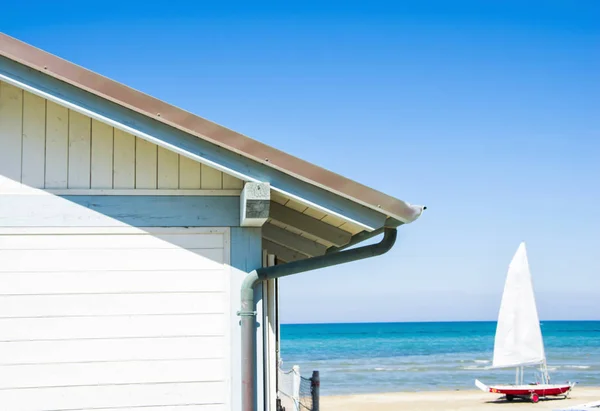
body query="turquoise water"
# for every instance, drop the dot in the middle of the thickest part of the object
(386, 357)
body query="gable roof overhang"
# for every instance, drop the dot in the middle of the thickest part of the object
(124, 108)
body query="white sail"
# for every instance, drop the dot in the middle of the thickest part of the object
(518, 339)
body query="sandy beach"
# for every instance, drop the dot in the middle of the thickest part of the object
(449, 401)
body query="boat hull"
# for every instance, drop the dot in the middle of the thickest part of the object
(527, 390)
(543, 390)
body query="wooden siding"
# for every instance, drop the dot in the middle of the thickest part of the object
(45, 145)
(120, 318)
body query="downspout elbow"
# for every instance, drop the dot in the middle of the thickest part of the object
(247, 294)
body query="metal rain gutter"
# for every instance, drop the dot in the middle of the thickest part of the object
(366, 235)
(248, 312)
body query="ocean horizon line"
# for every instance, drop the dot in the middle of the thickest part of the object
(428, 322)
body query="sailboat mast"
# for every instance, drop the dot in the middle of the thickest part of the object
(522, 372)
(545, 376)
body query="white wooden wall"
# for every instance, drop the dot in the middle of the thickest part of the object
(44, 145)
(122, 319)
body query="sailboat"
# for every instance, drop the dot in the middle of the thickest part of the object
(518, 342)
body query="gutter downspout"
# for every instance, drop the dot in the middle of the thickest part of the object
(248, 312)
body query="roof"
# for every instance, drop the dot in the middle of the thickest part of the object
(187, 122)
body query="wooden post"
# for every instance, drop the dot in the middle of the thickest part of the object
(314, 390)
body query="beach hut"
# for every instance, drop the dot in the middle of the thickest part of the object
(140, 245)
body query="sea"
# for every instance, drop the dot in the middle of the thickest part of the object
(390, 357)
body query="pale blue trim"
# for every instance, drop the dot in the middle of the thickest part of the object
(113, 211)
(246, 255)
(166, 211)
(208, 152)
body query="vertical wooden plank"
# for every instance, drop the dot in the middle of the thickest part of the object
(57, 145)
(189, 174)
(11, 121)
(34, 140)
(80, 133)
(124, 160)
(270, 322)
(145, 164)
(277, 320)
(102, 155)
(168, 169)
(211, 179)
(232, 183)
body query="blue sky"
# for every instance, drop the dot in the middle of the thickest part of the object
(488, 112)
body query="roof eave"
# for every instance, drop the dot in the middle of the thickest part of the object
(152, 108)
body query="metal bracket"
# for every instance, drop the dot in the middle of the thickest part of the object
(246, 313)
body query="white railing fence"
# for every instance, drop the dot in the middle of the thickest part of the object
(296, 392)
(289, 388)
